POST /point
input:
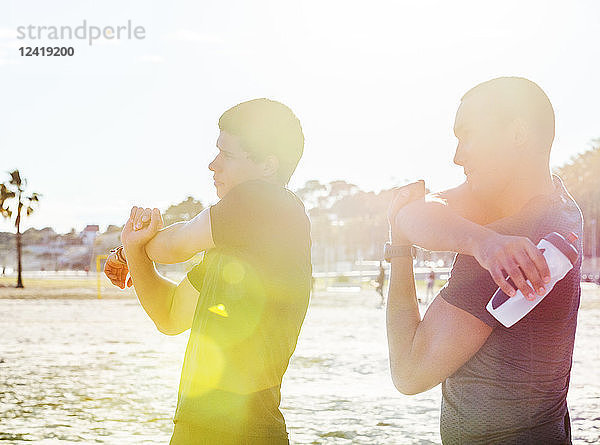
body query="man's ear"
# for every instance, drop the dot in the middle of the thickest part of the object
(270, 166)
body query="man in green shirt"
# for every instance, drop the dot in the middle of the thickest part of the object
(246, 301)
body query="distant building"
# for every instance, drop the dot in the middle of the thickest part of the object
(88, 235)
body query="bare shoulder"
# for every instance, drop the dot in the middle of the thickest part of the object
(453, 197)
(462, 201)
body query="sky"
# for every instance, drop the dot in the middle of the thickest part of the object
(375, 84)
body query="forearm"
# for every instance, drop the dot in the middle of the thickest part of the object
(154, 291)
(164, 248)
(403, 320)
(434, 226)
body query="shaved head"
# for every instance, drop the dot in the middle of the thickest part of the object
(510, 99)
(505, 129)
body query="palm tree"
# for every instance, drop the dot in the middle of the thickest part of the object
(14, 191)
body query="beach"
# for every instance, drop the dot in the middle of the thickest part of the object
(95, 370)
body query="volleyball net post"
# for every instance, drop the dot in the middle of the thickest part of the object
(99, 259)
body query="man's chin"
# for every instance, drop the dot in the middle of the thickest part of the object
(221, 191)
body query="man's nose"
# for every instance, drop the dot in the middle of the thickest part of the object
(459, 156)
(212, 165)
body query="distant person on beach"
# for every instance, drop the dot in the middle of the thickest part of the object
(499, 385)
(379, 282)
(430, 282)
(246, 300)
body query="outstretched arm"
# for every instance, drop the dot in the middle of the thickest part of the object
(433, 225)
(177, 242)
(174, 244)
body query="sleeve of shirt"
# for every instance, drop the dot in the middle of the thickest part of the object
(469, 288)
(196, 275)
(235, 218)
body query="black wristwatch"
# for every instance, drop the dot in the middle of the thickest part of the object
(390, 251)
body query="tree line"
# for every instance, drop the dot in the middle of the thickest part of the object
(339, 211)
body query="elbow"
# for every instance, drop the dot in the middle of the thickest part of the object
(405, 386)
(164, 328)
(406, 383)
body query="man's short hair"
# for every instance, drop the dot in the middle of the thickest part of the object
(518, 98)
(267, 127)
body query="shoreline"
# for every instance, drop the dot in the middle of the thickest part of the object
(590, 293)
(37, 293)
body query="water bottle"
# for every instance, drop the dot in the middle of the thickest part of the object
(560, 255)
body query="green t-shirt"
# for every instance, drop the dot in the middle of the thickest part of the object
(254, 291)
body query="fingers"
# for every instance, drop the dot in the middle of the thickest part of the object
(129, 225)
(156, 222)
(531, 272)
(148, 218)
(405, 194)
(157, 214)
(502, 282)
(518, 258)
(138, 217)
(137, 220)
(137, 231)
(538, 259)
(516, 275)
(134, 215)
(141, 217)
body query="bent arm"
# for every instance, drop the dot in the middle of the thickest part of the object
(425, 352)
(181, 241)
(170, 306)
(435, 226)
(154, 291)
(183, 307)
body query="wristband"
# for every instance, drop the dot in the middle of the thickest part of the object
(390, 251)
(118, 251)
